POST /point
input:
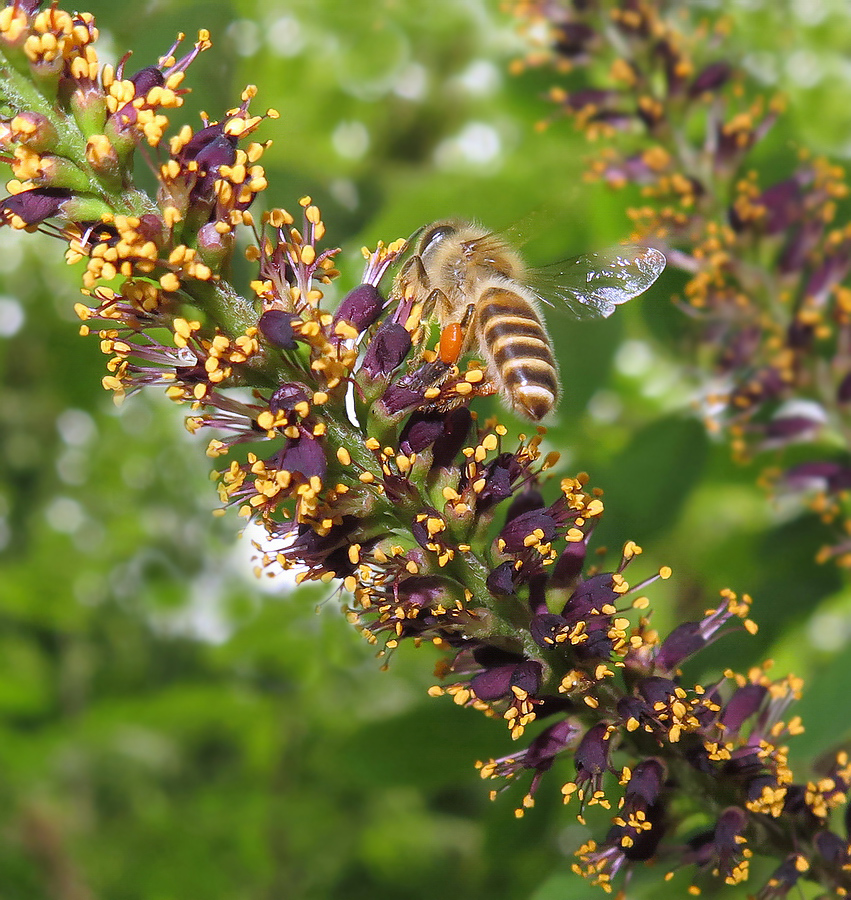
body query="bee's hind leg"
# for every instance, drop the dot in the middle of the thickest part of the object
(454, 338)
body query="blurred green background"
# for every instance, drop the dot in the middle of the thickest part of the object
(169, 728)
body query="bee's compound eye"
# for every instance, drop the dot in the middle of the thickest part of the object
(451, 341)
(433, 235)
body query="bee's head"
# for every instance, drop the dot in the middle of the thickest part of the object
(433, 234)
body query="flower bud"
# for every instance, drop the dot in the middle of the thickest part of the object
(714, 76)
(276, 326)
(388, 347)
(34, 131)
(303, 456)
(287, 397)
(359, 308)
(147, 78)
(500, 581)
(214, 247)
(33, 206)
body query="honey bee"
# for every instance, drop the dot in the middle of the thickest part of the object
(477, 286)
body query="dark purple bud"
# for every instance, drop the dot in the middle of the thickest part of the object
(799, 334)
(198, 375)
(795, 803)
(843, 392)
(761, 386)
(493, 684)
(714, 76)
(490, 657)
(731, 823)
(152, 228)
(422, 591)
(388, 347)
(834, 268)
(840, 480)
(615, 118)
(632, 709)
(701, 847)
(597, 643)
(147, 78)
(276, 326)
(592, 754)
(34, 206)
(738, 348)
(832, 848)
(785, 876)
(572, 38)
(787, 428)
(839, 773)
(633, 169)
(125, 117)
(548, 705)
(538, 594)
(398, 398)
(569, 565)
(729, 827)
(421, 431)
(456, 427)
(742, 705)
(330, 551)
(783, 204)
(684, 641)
(201, 140)
(646, 842)
(303, 456)
(500, 582)
(500, 475)
(527, 677)
(526, 502)
(528, 529)
(545, 627)
(646, 782)
(580, 100)
(360, 307)
(657, 690)
(287, 397)
(823, 475)
(549, 743)
(221, 151)
(591, 595)
(419, 532)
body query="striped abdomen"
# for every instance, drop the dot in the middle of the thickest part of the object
(518, 350)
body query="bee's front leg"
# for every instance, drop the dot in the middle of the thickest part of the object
(415, 300)
(412, 280)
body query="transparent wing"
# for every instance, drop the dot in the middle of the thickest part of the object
(593, 284)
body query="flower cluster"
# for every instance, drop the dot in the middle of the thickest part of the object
(354, 442)
(766, 264)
